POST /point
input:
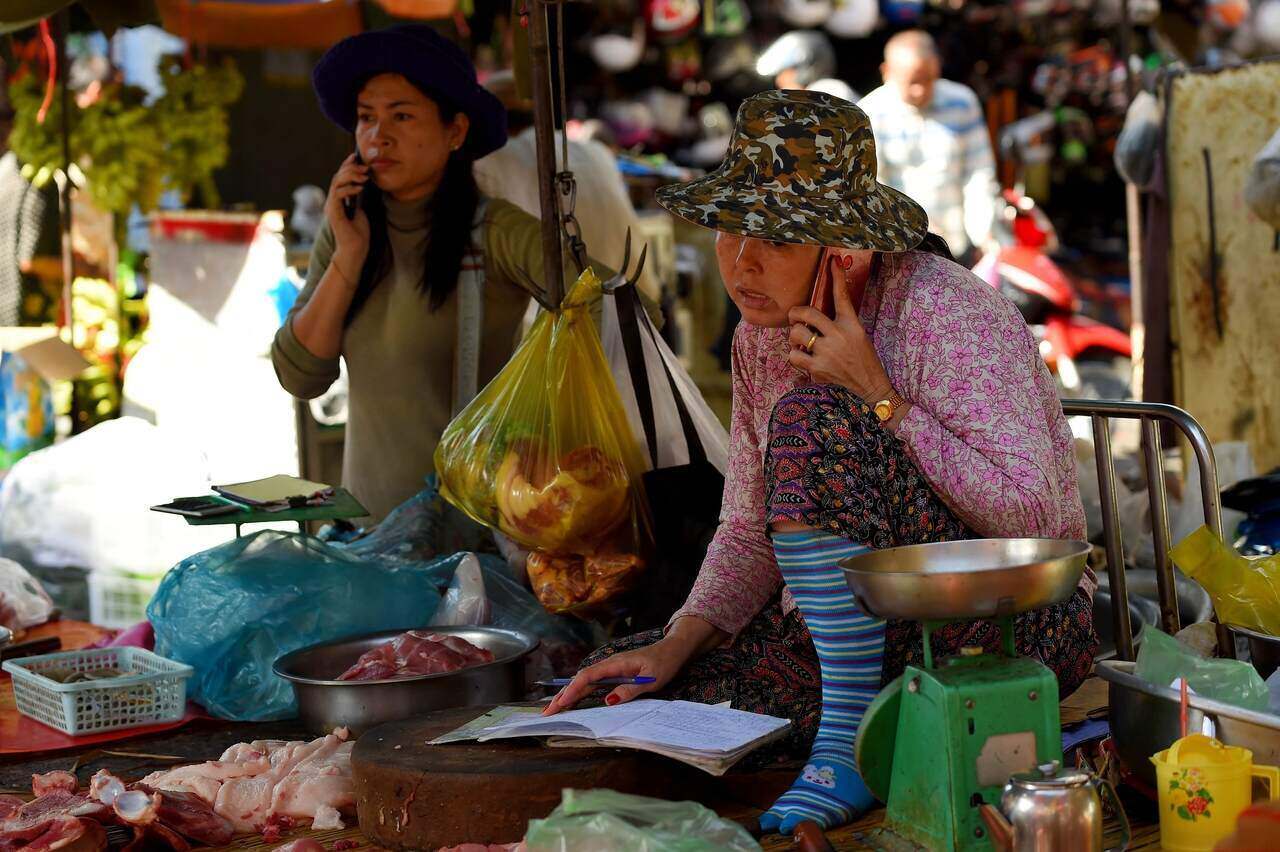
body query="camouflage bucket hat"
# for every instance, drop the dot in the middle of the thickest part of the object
(801, 168)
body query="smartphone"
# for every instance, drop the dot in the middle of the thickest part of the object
(820, 296)
(198, 507)
(349, 205)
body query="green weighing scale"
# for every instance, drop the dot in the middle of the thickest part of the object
(943, 738)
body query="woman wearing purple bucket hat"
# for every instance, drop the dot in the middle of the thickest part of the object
(421, 285)
(920, 411)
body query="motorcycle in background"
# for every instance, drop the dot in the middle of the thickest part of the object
(1088, 358)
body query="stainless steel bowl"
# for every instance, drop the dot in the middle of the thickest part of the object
(1145, 719)
(325, 703)
(1142, 612)
(1264, 650)
(980, 578)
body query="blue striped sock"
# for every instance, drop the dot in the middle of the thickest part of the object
(850, 646)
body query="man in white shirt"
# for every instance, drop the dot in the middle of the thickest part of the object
(932, 142)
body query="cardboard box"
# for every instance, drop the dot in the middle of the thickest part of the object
(44, 351)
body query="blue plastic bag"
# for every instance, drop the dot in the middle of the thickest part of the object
(232, 611)
(424, 527)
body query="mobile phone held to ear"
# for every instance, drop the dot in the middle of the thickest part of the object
(820, 296)
(349, 205)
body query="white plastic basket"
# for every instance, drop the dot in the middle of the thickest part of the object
(119, 600)
(155, 690)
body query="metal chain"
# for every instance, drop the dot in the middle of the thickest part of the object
(564, 178)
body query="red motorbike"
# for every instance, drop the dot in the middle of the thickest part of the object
(1090, 359)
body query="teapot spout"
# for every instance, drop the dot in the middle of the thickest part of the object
(998, 827)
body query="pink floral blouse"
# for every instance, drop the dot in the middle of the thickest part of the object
(985, 426)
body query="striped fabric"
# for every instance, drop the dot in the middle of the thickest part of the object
(940, 156)
(850, 647)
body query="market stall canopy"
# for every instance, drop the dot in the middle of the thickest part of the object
(106, 14)
(262, 23)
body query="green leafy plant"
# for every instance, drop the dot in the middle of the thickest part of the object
(130, 151)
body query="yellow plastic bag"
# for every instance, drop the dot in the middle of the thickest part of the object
(545, 453)
(1245, 591)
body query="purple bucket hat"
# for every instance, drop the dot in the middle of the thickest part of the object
(425, 58)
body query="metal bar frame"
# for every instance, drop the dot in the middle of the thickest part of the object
(545, 147)
(1150, 415)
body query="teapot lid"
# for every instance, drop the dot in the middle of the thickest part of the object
(1050, 775)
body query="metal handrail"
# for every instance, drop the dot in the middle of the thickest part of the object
(1101, 412)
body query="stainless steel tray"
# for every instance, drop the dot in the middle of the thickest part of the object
(980, 578)
(325, 703)
(1144, 720)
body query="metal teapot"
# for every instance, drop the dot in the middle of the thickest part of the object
(1051, 808)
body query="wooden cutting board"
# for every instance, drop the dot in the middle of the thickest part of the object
(411, 795)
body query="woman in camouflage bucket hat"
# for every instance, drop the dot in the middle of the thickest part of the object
(801, 168)
(920, 412)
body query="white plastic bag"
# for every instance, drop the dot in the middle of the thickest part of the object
(84, 502)
(1139, 141)
(665, 377)
(1262, 189)
(21, 595)
(465, 603)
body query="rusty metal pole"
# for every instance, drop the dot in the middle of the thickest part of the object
(545, 137)
(1133, 227)
(63, 24)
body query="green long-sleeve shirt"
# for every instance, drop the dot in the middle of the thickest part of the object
(400, 353)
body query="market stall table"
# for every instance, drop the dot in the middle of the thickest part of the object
(740, 796)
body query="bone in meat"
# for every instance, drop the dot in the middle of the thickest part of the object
(56, 780)
(55, 832)
(57, 803)
(191, 816)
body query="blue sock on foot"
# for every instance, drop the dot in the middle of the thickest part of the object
(850, 646)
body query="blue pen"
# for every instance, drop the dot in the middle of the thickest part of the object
(609, 681)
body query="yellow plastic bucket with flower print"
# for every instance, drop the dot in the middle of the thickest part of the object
(1203, 786)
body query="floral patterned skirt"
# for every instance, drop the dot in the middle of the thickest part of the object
(832, 466)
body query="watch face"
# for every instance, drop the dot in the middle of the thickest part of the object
(883, 410)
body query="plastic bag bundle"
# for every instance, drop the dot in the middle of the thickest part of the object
(423, 528)
(1262, 189)
(1139, 141)
(608, 821)
(545, 453)
(232, 611)
(1163, 659)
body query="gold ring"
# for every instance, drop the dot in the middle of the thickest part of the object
(808, 347)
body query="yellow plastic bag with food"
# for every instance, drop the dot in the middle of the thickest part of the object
(545, 455)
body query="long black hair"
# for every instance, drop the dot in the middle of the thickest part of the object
(450, 212)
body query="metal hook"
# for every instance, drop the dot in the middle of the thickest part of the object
(536, 291)
(621, 279)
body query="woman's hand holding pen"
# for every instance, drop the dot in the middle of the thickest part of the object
(657, 664)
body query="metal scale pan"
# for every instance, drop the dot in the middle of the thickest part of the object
(957, 580)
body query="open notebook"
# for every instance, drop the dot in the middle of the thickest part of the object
(712, 738)
(269, 491)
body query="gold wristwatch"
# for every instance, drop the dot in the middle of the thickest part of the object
(887, 407)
